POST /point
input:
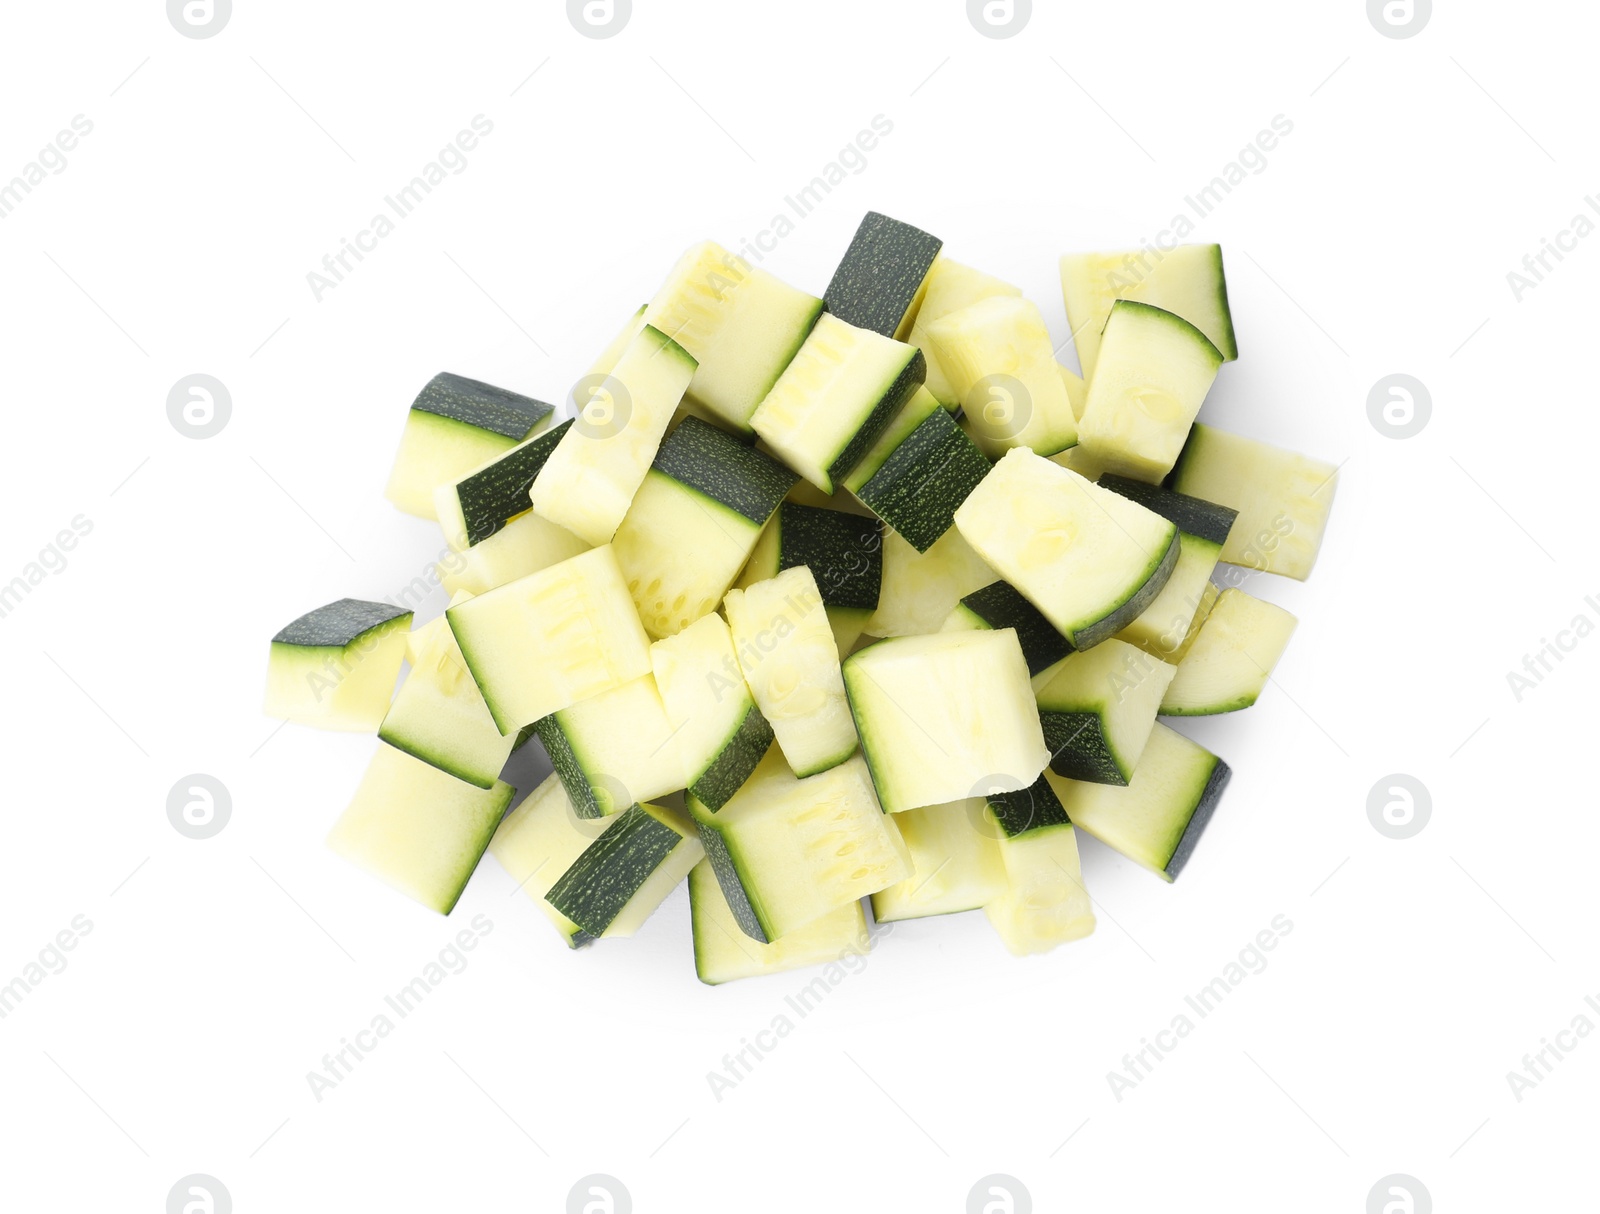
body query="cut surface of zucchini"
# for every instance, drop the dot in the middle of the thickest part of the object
(590, 478)
(719, 733)
(1000, 362)
(1097, 709)
(921, 589)
(1283, 499)
(1156, 820)
(481, 502)
(787, 850)
(951, 286)
(790, 660)
(525, 545)
(835, 398)
(335, 667)
(940, 715)
(740, 323)
(549, 640)
(1232, 657)
(620, 878)
(439, 716)
(614, 749)
(538, 841)
(723, 952)
(417, 828)
(1153, 372)
(955, 863)
(999, 605)
(1045, 903)
(454, 425)
(1090, 560)
(694, 523)
(1187, 280)
(880, 282)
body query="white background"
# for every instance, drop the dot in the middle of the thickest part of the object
(218, 973)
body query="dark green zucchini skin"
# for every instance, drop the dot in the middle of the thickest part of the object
(1078, 747)
(1193, 515)
(744, 911)
(568, 767)
(1001, 605)
(843, 551)
(499, 493)
(890, 403)
(611, 870)
(1027, 809)
(715, 786)
(481, 405)
(715, 463)
(1204, 808)
(337, 624)
(881, 275)
(917, 488)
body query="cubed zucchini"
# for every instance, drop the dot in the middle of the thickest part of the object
(335, 667)
(880, 283)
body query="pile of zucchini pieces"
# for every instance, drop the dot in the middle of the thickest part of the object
(816, 600)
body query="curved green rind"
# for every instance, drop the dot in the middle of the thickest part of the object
(719, 466)
(1216, 784)
(918, 487)
(1213, 710)
(890, 403)
(1170, 317)
(499, 493)
(1079, 748)
(482, 405)
(881, 274)
(1192, 515)
(843, 551)
(569, 767)
(1032, 808)
(1002, 605)
(339, 624)
(612, 869)
(723, 864)
(733, 763)
(1133, 606)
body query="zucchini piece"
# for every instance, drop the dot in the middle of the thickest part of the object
(880, 283)
(1077, 392)
(480, 503)
(549, 640)
(620, 879)
(335, 667)
(1156, 820)
(417, 828)
(590, 479)
(955, 863)
(1283, 499)
(1187, 280)
(741, 324)
(835, 398)
(938, 715)
(440, 717)
(1233, 655)
(951, 287)
(454, 425)
(1097, 709)
(921, 589)
(614, 749)
(787, 850)
(919, 484)
(694, 523)
(1203, 527)
(1208, 600)
(790, 660)
(724, 953)
(999, 605)
(538, 841)
(719, 733)
(844, 552)
(1002, 366)
(525, 545)
(603, 366)
(1045, 903)
(908, 418)
(1153, 373)
(1090, 560)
